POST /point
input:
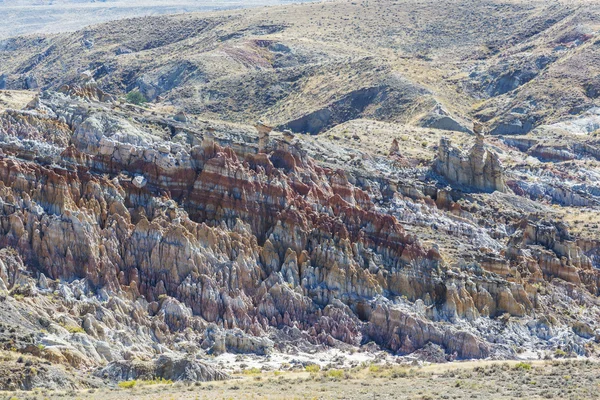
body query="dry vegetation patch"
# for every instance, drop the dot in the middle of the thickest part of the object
(570, 379)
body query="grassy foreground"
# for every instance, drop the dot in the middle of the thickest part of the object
(571, 379)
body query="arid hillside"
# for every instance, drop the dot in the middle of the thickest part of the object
(515, 65)
(329, 190)
(51, 16)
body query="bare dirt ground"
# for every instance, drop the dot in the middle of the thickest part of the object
(569, 379)
(14, 99)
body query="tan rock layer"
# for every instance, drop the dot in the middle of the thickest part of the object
(251, 240)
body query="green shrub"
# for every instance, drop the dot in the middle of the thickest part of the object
(252, 371)
(127, 384)
(374, 368)
(560, 353)
(74, 329)
(312, 368)
(335, 374)
(135, 97)
(522, 366)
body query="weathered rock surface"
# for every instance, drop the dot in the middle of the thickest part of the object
(165, 367)
(480, 169)
(439, 118)
(141, 244)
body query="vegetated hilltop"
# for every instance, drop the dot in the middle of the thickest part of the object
(430, 189)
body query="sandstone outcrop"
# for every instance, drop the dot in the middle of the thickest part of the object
(169, 237)
(479, 169)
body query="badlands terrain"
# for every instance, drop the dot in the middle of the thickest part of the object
(319, 200)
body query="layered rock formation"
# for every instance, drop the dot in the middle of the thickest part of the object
(479, 169)
(148, 241)
(155, 235)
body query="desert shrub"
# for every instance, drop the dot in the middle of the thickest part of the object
(74, 329)
(374, 368)
(135, 97)
(312, 368)
(398, 373)
(560, 353)
(127, 384)
(522, 366)
(252, 371)
(335, 374)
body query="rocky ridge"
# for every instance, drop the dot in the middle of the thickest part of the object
(146, 241)
(135, 236)
(533, 66)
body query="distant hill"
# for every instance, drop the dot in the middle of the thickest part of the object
(50, 16)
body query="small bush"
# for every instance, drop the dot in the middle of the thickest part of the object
(560, 353)
(399, 373)
(135, 97)
(374, 368)
(335, 374)
(252, 371)
(522, 366)
(312, 368)
(127, 384)
(74, 329)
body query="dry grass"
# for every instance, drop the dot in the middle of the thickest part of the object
(463, 380)
(376, 137)
(582, 222)
(16, 99)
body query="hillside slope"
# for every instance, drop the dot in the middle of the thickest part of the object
(516, 65)
(422, 185)
(42, 17)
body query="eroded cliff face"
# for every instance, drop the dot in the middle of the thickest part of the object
(479, 169)
(133, 235)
